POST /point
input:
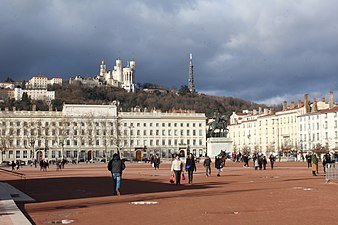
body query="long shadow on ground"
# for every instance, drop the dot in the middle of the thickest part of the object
(66, 188)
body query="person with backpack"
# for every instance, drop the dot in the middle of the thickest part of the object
(116, 166)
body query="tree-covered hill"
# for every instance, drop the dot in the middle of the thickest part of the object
(162, 99)
(146, 99)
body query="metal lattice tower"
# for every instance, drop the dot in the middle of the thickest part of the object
(191, 85)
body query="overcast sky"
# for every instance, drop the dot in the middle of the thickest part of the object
(263, 51)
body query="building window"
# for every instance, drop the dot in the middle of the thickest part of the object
(17, 154)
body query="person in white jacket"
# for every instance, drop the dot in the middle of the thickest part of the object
(176, 168)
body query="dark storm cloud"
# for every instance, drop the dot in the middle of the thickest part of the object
(264, 51)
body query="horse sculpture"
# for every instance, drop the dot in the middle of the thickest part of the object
(220, 124)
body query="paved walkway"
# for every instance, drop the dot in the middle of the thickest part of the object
(10, 214)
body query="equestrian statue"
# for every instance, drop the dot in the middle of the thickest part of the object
(219, 124)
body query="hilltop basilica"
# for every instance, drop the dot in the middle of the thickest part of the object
(122, 77)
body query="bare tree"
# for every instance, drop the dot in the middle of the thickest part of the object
(89, 133)
(62, 133)
(107, 133)
(31, 135)
(245, 149)
(6, 136)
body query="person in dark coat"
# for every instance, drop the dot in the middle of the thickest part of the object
(207, 165)
(13, 165)
(218, 165)
(309, 160)
(264, 161)
(116, 166)
(157, 162)
(272, 160)
(190, 167)
(326, 160)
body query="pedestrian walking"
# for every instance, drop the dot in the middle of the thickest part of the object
(272, 159)
(264, 161)
(176, 168)
(218, 165)
(207, 165)
(245, 159)
(13, 165)
(309, 160)
(314, 164)
(17, 164)
(326, 160)
(260, 161)
(157, 162)
(116, 166)
(190, 167)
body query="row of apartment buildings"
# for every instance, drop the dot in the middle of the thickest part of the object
(296, 128)
(35, 88)
(87, 132)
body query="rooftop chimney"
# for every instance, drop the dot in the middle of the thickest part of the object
(259, 110)
(266, 111)
(323, 99)
(292, 105)
(300, 103)
(285, 105)
(314, 106)
(306, 103)
(33, 107)
(331, 101)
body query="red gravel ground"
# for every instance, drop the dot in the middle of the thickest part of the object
(289, 194)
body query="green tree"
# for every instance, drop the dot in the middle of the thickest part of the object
(184, 90)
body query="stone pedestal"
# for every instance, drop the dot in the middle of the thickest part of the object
(216, 144)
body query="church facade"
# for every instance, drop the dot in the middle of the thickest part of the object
(119, 76)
